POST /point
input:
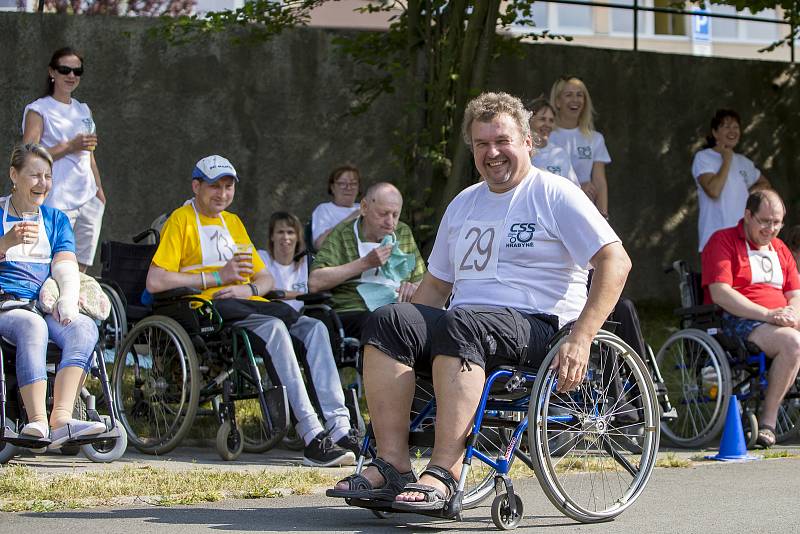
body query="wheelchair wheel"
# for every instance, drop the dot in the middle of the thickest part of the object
(156, 384)
(501, 512)
(7, 452)
(698, 381)
(788, 415)
(256, 437)
(598, 478)
(230, 442)
(114, 328)
(106, 450)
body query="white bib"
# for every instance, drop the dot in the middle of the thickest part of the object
(216, 244)
(38, 252)
(372, 276)
(765, 268)
(477, 249)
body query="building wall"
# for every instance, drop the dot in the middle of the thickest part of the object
(277, 110)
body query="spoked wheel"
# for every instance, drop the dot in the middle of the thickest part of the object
(114, 328)
(598, 477)
(492, 442)
(698, 381)
(257, 435)
(788, 415)
(156, 384)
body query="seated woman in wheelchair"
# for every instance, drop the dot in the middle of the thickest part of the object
(37, 242)
(285, 244)
(512, 252)
(752, 276)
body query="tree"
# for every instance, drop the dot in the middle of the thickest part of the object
(150, 8)
(434, 57)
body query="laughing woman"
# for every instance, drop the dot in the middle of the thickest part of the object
(724, 178)
(576, 134)
(66, 128)
(37, 243)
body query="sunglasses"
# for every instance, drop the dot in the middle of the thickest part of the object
(65, 70)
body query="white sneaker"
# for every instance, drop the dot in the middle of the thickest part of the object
(74, 429)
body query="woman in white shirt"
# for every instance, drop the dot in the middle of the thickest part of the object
(343, 186)
(724, 178)
(576, 134)
(545, 155)
(66, 128)
(285, 244)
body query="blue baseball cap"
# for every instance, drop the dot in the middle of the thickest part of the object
(212, 168)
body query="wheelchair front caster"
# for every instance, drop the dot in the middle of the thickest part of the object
(229, 441)
(501, 512)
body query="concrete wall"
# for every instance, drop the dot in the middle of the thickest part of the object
(276, 110)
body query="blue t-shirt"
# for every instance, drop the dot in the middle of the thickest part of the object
(24, 279)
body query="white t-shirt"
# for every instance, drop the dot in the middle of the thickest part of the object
(528, 248)
(553, 158)
(73, 180)
(292, 277)
(327, 215)
(725, 210)
(583, 150)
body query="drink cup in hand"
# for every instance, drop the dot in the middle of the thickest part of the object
(31, 217)
(245, 250)
(88, 127)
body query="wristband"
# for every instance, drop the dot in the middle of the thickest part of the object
(253, 288)
(203, 280)
(217, 277)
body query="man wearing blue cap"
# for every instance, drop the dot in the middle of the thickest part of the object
(205, 247)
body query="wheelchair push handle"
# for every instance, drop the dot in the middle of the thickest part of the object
(141, 236)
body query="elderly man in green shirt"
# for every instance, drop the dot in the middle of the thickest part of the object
(369, 262)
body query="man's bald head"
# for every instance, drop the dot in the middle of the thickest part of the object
(768, 196)
(380, 209)
(763, 216)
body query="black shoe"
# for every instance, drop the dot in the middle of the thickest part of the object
(351, 442)
(322, 452)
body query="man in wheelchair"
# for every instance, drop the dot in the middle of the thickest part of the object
(512, 253)
(205, 247)
(752, 276)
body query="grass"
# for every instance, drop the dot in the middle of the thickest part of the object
(779, 453)
(657, 321)
(147, 484)
(671, 460)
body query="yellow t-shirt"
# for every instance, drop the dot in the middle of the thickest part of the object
(180, 244)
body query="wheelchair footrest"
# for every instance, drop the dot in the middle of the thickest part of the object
(114, 433)
(26, 442)
(386, 506)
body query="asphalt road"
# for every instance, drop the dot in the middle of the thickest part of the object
(758, 496)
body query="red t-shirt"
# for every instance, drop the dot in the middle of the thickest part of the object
(725, 260)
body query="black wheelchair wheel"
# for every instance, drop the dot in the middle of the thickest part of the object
(598, 477)
(257, 436)
(156, 384)
(698, 380)
(229, 442)
(501, 512)
(114, 327)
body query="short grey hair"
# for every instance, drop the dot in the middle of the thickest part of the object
(19, 156)
(487, 106)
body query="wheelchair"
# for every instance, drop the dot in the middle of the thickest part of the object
(702, 368)
(592, 450)
(177, 357)
(105, 447)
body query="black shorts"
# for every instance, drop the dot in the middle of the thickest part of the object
(488, 336)
(237, 309)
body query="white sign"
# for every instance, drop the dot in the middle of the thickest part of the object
(701, 33)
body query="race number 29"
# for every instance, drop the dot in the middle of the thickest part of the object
(482, 241)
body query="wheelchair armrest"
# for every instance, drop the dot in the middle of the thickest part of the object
(174, 294)
(275, 294)
(315, 298)
(705, 309)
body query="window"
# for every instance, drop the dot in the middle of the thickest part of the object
(668, 23)
(622, 19)
(761, 31)
(724, 28)
(571, 17)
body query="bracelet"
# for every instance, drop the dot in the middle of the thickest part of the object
(203, 280)
(253, 288)
(217, 278)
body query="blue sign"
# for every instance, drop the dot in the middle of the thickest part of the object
(701, 26)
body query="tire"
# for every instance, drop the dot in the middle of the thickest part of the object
(501, 512)
(106, 450)
(7, 452)
(786, 425)
(698, 381)
(617, 393)
(114, 328)
(291, 441)
(229, 442)
(156, 384)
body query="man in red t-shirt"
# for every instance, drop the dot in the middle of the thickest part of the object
(752, 276)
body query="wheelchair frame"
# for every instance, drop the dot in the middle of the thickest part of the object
(588, 416)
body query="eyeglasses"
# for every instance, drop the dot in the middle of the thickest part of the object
(777, 225)
(65, 70)
(347, 185)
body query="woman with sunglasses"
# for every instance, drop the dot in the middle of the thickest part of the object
(575, 132)
(66, 128)
(343, 186)
(724, 178)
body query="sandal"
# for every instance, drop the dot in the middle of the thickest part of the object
(358, 487)
(435, 499)
(766, 437)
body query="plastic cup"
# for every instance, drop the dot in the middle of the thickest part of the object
(31, 216)
(244, 249)
(88, 127)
